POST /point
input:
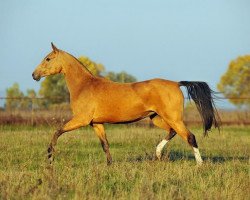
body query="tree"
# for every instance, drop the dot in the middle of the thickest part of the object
(17, 100)
(235, 83)
(95, 68)
(32, 102)
(54, 89)
(14, 97)
(31, 93)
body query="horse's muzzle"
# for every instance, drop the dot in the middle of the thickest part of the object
(35, 77)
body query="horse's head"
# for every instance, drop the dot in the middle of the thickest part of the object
(51, 64)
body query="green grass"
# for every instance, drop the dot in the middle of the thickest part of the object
(80, 172)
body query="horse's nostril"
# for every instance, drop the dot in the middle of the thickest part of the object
(36, 76)
(33, 76)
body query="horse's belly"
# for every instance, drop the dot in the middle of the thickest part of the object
(121, 115)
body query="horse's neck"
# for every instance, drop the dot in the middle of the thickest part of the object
(76, 76)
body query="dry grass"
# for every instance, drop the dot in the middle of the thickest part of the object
(60, 116)
(80, 171)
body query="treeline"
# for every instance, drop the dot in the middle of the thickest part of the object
(53, 90)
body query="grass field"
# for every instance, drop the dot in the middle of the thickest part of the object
(80, 171)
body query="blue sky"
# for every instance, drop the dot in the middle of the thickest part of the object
(175, 40)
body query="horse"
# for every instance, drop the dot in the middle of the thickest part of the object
(96, 100)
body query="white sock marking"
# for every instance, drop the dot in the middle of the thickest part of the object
(159, 148)
(197, 156)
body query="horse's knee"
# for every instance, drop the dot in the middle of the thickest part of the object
(171, 134)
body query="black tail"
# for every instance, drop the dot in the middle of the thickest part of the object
(202, 95)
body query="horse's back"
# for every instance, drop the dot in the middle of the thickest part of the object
(159, 88)
(146, 91)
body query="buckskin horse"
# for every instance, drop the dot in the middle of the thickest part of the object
(95, 101)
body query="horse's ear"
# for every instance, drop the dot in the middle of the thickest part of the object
(54, 47)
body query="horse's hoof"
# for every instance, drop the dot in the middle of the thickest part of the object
(158, 156)
(109, 162)
(199, 164)
(50, 154)
(50, 159)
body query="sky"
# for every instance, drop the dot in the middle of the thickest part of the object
(192, 40)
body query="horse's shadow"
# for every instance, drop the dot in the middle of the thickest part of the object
(178, 155)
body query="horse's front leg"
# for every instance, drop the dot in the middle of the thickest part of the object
(73, 124)
(99, 130)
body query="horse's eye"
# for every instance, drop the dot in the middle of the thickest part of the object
(48, 59)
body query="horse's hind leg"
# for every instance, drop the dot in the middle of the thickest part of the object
(181, 130)
(159, 122)
(99, 130)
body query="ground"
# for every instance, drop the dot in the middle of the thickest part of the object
(80, 172)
